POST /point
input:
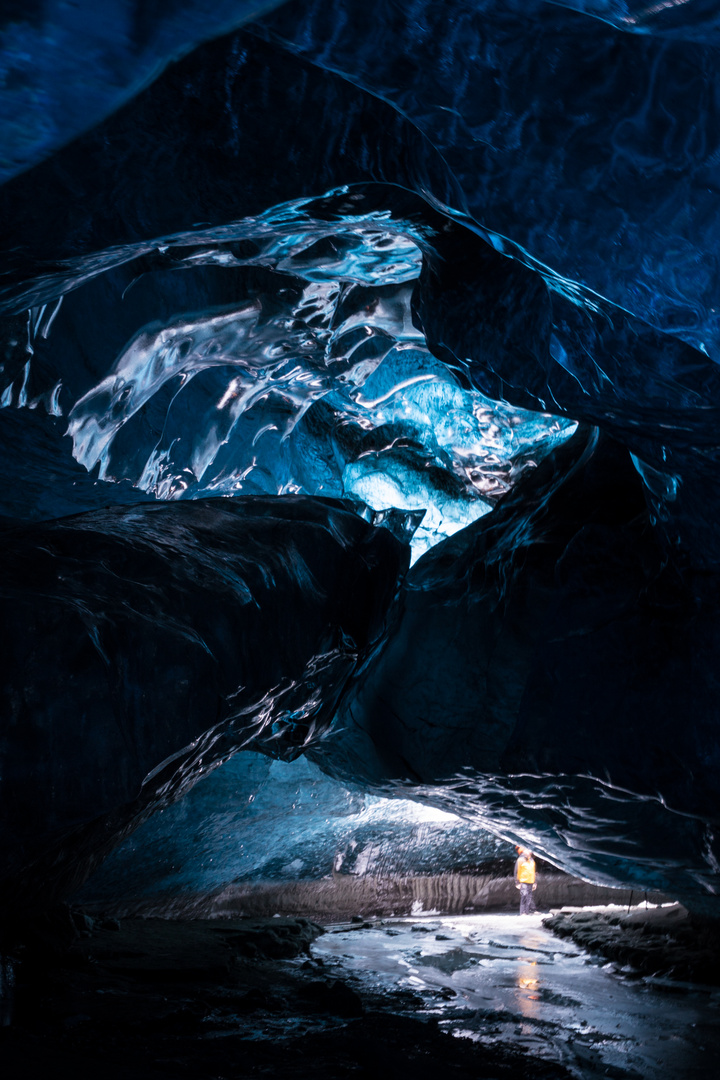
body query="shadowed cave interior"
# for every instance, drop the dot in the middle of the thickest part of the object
(359, 406)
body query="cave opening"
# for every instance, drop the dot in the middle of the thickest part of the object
(359, 501)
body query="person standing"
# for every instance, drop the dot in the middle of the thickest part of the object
(525, 880)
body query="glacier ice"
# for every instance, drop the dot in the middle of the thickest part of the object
(589, 143)
(66, 66)
(251, 375)
(144, 645)
(316, 380)
(564, 642)
(265, 820)
(454, 265)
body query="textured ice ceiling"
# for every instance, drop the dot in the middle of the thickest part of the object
(259, 824)
(360, 285)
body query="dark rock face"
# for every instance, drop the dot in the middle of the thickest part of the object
(656, 941)
(392, 253)
(145, 645)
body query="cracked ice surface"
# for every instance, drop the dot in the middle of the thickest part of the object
(505, 979)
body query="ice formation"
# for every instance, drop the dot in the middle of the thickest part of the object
(145, 645)
(261, 820)
(354, 287)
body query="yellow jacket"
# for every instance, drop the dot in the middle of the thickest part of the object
(525, 871)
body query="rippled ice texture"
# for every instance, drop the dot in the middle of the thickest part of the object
(591, 142)
(255, 819)
(319, 384)
(200, 324)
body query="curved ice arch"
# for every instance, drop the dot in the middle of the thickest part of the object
(258, 819)
(564, 638)
(600, 162)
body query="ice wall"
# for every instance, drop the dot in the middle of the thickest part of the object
(395, 255)
(261, 820)
(563, 715)
(584, 132)
(66, 66)
(144, 646)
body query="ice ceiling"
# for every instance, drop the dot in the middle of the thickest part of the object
(360, 400)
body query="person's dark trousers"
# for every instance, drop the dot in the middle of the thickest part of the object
(527, 904)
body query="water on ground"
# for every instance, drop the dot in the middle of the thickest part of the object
(505, 979)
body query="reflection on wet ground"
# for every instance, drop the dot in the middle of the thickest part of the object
(505, 979)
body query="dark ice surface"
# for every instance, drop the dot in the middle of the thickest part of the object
(147, 644)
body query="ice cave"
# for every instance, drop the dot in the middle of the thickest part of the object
(360, 506)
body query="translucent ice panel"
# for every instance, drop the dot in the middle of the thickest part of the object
(318, 383)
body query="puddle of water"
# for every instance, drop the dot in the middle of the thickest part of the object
(504, 978)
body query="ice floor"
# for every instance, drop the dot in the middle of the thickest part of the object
(514, 982)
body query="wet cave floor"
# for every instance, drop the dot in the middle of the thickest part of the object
(482, 996)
